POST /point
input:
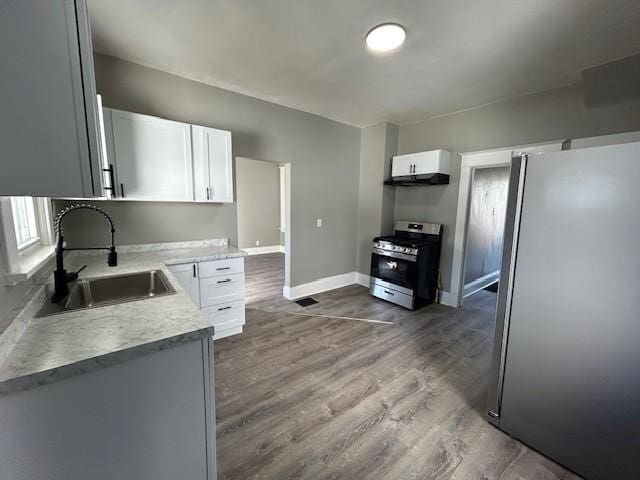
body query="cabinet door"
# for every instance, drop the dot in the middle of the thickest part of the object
(433, 161)
(402, 166)
(228, 318)
(48, 129)
(152, 157)
(213, 165)
(187, 276)
(221, 289)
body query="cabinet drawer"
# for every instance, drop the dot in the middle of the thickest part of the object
(226, 315)
(227, 266)
(221, 289)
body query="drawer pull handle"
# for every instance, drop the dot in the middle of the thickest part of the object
(224, 308)
(388, 292)
(224, 281)
(223, 268)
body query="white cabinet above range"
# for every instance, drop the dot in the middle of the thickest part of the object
(155, 159)
(422, 168)
(421, 163)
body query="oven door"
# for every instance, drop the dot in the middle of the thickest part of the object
(393, 267)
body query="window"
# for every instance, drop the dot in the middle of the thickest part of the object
(25, 222)
(26, 237)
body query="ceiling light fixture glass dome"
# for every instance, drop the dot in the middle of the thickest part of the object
(386, 37)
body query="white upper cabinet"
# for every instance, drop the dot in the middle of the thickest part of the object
(421, 163)
(212, 165)
(155, 159)
(48, 117)
(152, 157)
(402, 166)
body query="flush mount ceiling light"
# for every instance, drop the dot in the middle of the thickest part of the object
(386, 37)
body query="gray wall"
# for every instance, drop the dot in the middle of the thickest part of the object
(555, 114)
(258, 199)
(378, 143)
(485, 230)
(324, 157)
(150, 222)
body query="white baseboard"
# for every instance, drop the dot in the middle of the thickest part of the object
(319, 286)
(263, 250)
(480, 283)
(447, 298)
(363, 279)
(344, 280)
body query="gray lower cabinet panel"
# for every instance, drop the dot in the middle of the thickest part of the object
(151, 418)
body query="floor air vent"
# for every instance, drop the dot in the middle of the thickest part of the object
(305, 302)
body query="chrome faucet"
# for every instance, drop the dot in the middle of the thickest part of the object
(60, 276)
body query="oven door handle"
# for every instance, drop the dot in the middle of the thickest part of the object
(402, 256)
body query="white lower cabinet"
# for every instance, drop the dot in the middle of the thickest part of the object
(221, 289)
(217, 288)
(187, 275)
(228, 318)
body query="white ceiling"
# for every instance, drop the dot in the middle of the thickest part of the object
(310, 54)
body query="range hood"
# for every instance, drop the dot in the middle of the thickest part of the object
(422, 168)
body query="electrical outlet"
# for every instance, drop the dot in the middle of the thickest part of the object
(257, 243)
(319, 222)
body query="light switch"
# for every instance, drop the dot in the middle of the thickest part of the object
(257, 243)
(319, 222)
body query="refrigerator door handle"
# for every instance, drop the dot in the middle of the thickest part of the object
(505, 289)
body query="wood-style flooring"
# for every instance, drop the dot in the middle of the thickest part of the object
(315, 397)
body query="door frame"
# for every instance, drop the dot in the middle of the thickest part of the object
(287, 228)
(498, 157)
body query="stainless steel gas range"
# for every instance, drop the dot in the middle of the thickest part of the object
(404, 266)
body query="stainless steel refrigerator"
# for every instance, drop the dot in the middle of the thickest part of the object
(565, 377)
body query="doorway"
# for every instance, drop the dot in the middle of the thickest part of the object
(471, 163)
(485, 229)
(263, 194)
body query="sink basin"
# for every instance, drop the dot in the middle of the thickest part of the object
(111, 290)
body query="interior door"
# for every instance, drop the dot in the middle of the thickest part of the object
(571, 387)
(213, 165)
(152, 157)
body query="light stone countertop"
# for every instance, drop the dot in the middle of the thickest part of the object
(59, 346)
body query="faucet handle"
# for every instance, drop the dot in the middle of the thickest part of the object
(72, 276)
(112, 257)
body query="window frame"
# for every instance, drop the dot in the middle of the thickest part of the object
(30, 207)
(21, 262)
